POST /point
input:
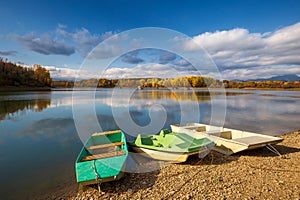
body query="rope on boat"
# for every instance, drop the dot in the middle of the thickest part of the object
(273, 149)
(98, 177)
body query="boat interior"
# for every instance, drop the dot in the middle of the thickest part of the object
(167, 140)
(238, 136)
(104, 145)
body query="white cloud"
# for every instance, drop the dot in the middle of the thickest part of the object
(65, 73)
(146, 71)
(83, 39)
(8, 53)
(182, 62)
(63, 42)
(68, 73)
(45, 44)
(155, 70)
(232, 40)
(112, 46)
(238, 48)
(260, 72)
(105, 51)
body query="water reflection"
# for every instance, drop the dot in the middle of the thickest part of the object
(272, 115)
(184, 95)
(10, 108)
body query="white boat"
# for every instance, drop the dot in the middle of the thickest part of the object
(228, 141)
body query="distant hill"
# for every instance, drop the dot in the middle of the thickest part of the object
(287, 77)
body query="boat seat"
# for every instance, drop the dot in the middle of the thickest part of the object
(196, 128)
(222, 134)
(104, 155)
(105, 145)
(254, 140)
(147, 140)
(107, 133)
(200, 128)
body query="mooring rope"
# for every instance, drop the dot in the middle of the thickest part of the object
(98, 177)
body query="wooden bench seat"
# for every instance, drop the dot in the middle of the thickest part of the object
(105, 145)
(222, 134)
(104, 155)
(107, 133)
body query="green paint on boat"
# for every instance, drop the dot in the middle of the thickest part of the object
(104, 155)
(172, 142)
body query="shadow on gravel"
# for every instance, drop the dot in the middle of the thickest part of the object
(141, 174)
(265, 152)
(131, 183)
(213, 158)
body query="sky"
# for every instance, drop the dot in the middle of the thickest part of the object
(245, 39)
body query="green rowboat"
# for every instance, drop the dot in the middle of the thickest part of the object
(102, 159)
(169, 146)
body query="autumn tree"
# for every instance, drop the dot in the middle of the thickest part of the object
(15, 75)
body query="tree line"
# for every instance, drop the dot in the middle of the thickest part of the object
(178, 82)
(276, 84)
(15, 75)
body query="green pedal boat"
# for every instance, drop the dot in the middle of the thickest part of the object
(102, 159)
(169, 146)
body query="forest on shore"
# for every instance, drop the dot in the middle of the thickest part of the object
(182, 82)
(15, 75)
(178, 82)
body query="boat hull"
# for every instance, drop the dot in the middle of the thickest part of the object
(171, 147)
(166, 156)
(228, 141)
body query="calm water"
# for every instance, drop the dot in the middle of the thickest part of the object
(40, 142)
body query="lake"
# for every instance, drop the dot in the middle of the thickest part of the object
(40, 139)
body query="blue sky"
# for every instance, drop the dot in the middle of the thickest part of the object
(246, 39)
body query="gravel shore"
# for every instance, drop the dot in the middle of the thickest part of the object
(255, 174)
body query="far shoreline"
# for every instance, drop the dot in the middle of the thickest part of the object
(178, 88)
(270, 89)
(32, 89)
